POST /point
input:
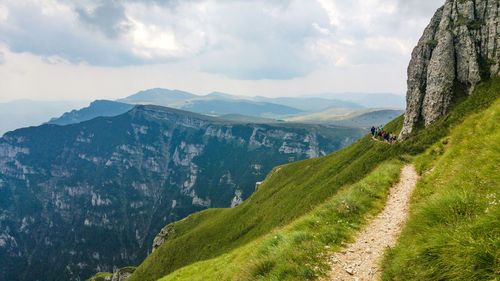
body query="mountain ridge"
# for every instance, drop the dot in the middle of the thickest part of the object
(92, 195)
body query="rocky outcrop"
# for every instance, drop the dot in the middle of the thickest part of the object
(123, 273)
(162, 236)
(459, 48)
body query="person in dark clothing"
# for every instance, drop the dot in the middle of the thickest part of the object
(373, 131)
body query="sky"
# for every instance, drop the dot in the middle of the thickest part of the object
(96, 49)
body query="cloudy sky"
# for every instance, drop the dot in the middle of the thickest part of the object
(88, 49)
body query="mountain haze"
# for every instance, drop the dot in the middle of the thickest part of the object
(98, 108)
(24, 113)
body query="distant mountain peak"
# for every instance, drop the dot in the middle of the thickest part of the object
(96, 108)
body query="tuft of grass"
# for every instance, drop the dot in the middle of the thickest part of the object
(454, 229)
(296, 251)
(262, 268)
(128, 269)
(432, 43)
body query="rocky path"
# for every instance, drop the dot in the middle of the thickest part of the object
(360, 260)
(375, 139)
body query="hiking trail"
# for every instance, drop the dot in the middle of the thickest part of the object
(360, 260)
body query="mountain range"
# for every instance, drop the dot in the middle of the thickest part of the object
(90, 196)
(24, 113)
(228, 106)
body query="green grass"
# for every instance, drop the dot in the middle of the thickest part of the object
(289, 192)
(129, 269)
(294, 190)
(295, 252)
(454, 229)
(432, 43)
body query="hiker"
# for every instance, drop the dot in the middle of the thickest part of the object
(379, 134)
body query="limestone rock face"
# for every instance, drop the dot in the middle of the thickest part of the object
(122, 274)
(458, 47)
(162, 236)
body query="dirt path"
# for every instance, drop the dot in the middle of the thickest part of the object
(360, 260)
(375, 139)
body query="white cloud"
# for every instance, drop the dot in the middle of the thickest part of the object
(4, 13)
(149, 41)
(331, 8)
(230, 43)
(322, 30)
(389, 44)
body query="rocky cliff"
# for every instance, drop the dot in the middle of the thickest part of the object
(89, 197)
(459, 49)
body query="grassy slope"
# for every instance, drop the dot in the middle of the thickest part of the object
(295, 251)
(293, 191)
(454, 228)
(288, 192)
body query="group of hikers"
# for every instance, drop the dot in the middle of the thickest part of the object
(380, 134)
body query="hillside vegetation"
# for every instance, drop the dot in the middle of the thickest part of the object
(291, 201)
(454, 230)
(288, 192)
(295, 251)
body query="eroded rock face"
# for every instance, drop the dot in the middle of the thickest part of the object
(161, 237)
(122, 274)
(459, 46)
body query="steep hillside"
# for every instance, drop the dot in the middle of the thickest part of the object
(289, 192)
(296, 251)
(454, 230)
(85, 197)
